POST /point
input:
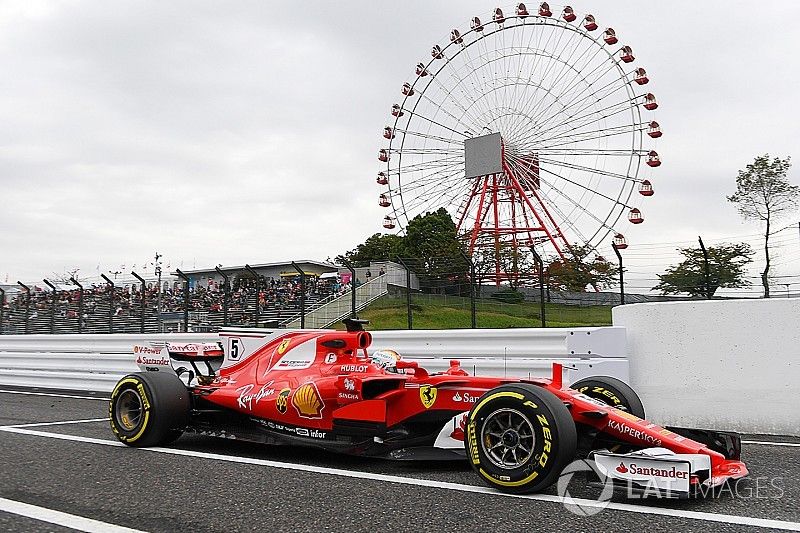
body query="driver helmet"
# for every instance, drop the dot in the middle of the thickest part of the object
(386, 359)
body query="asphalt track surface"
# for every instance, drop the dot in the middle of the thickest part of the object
(61, 469)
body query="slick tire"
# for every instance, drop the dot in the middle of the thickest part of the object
(149, 408)
(611, 391)
(519, 437)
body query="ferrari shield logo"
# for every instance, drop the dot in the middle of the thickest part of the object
(283, 345)
(428, 395)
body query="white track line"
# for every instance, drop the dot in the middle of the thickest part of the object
(429, 483)
(72, 521)
(54, 395)
(61, 423)
(772, 443)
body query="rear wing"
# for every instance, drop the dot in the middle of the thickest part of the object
(159, 356)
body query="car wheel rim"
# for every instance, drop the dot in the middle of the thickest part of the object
(128, 411)
(507, 439)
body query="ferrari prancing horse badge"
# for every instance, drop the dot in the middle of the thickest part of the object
(428, 395)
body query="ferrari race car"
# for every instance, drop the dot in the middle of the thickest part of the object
(323, 389)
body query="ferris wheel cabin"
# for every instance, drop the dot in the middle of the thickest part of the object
(610, 36)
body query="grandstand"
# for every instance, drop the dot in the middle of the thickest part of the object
(262, 295)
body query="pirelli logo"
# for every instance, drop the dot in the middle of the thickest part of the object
(473, 444)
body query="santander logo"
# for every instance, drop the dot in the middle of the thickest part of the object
(635, 470)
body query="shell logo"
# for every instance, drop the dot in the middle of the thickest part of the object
(308, 402)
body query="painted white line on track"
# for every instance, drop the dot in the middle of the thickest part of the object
(54, 395)
(43, 514)
(60, 423)
(429, 483)
(772, 443)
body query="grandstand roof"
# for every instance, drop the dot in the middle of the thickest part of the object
(288, 264)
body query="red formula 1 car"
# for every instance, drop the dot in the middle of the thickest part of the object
(323, 389)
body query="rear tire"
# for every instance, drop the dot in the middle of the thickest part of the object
(611, 391)
(149, 408)
(519, 438)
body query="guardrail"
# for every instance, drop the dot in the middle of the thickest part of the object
(96, 362)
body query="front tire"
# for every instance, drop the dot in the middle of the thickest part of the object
(611, 391)
(519, 438)
(149, 408)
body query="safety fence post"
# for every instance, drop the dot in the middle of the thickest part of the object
(302, 295)
(621, 274)
(540, 268)
(27, 305)
(706, 269)
(144, 303)
(472, 310)
(185, 278)
(2, 308)
(52, 306)
(408, 293)
(80, 303)
(258, 292)
(225, 296)
(352, 270)
(110, 303)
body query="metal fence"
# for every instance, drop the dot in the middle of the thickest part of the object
(395, 293)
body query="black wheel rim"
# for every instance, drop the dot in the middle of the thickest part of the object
(507, 438)
(128, 411)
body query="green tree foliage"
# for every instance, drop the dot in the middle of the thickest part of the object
(517, 263)
(726, 264)
(764, 194)
(377, 247)
(432, 239)
(579, 271)
(430, 246)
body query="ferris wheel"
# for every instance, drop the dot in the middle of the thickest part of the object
(530, 129)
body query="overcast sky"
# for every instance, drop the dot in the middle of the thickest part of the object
(234, 132)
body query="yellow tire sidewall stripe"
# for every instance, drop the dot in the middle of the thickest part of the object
(502, 394)
(145, 401)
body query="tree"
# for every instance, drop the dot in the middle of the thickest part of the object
(432, 239)
(577, 272)
(516, 265)
(377, 247)
(764, 194)
(726, 265)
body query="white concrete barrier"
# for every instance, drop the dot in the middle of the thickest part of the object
(96, 362)
(731, 364)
